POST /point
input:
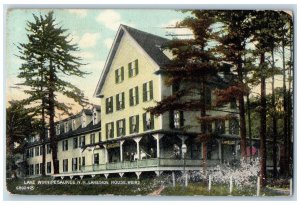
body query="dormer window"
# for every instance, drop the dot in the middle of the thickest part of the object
(83, 121)
(58, 129)
(66, 126)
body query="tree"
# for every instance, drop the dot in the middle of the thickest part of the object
(193, 74)
(19, 126)
(233, 39)
(49, 56)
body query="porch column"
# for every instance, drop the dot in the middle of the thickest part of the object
(106, 153)
(137, 140)
(157, 137)
(121, 150)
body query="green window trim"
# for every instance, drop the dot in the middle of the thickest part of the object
(119, 132)
(136, 130)
(146, 126)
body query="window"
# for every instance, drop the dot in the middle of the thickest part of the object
(75, 142)
(134, 124)
(66, 126)
(148, 91)
(58, 129)
(37, 151)
(133, 68)
(82, 141)
(96, 158)
(176, 119)
(220, 126)
(119, 75)
(148, 121)
(48, 167)
(121, 127)
(37, 169)
(109, 130)
(134, 96)
(120, 101)
(233, 126)
(109, 105)
(64, 145)
(99, 136)
(48, 147)
(65, 165)
(74, 164)
(31, 152)
(92, 139)
(41, 150)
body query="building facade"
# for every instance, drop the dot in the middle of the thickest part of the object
(123, 138)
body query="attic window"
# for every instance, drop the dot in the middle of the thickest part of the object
(133, 68)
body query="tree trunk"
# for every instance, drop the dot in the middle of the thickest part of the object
(283, 163)
(274, 119)
(263, 120)
(242, 111)
(249, 125)
(43, 137)
(203, 125)
(53, 139)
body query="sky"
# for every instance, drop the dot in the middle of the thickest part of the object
(92, 29)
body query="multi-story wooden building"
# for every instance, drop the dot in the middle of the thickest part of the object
(124, 138)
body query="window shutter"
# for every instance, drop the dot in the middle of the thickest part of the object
(112, 104)
(124, 127)
(171, 118)
(145, 121)
(137, 95)
(136, 67)
(130, 97)
(118, 126)
(137, 123)
(152, 121)
(151, 89)
(106, 129)
(129, 70)
(208, 96)
(117, 102)
(112, 128)
(130, 125)
(116, 76)
(123, 100)
(181, 120)
(144, 92)
(106, 105)
(122, 73)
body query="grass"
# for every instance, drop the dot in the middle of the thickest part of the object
(145, 187)
(200, 189)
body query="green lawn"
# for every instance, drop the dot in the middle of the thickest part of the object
(145, 187)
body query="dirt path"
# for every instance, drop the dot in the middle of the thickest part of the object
(157, 191)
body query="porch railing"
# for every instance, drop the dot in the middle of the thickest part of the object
(144, 163)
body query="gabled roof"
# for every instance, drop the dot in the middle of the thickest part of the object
(150, 43)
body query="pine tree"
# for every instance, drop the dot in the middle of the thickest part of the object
(19, 125)
(193, 71)
(48, 56)
(233, 39)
